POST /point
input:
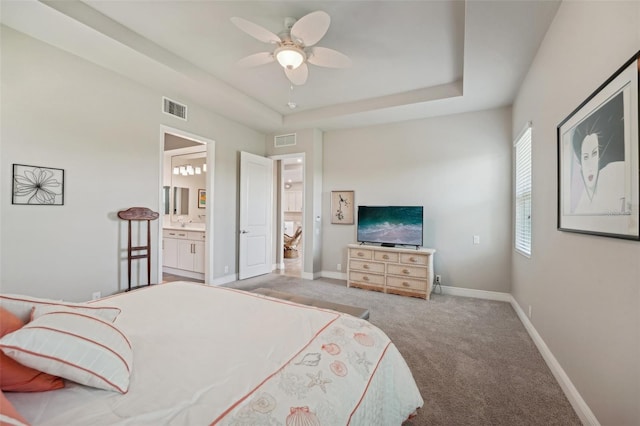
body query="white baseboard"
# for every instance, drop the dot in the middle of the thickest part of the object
(577, 402)
(310, 275)
(470, 292)
(334, 275)
(225, 279)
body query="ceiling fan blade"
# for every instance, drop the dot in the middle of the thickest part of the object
(299, 75)
(256, 59)
(256, 31)
(309, 29)
(324, 57)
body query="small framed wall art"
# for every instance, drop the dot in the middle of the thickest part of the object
(202, 198)
(342, 203)
(598, 154)
(35, 185)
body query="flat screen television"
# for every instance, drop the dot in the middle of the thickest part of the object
(390, 225)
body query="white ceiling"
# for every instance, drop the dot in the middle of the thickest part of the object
(411, 59)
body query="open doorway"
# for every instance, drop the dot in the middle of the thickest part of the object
(186, 208)
(292, 214)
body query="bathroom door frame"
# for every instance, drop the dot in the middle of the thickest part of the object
(210, 180)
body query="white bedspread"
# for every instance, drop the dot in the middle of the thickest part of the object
(210, 355)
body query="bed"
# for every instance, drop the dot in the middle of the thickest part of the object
(203, 355)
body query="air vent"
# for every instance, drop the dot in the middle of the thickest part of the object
(173, 108)
(285, 140)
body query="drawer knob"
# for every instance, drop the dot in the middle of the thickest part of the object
(360, 254)
(412, 259)
(405, 271)
(365, 266)
(385, 256)
(406, 284)
(365, 278)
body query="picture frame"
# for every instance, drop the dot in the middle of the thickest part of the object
(342, 205)
(37, 186)
(202, 198)
(598, 160)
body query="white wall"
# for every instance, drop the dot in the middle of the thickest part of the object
(584, 290)
(458, 167)
(104, 130)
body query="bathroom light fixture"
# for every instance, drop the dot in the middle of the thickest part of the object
(189, 170)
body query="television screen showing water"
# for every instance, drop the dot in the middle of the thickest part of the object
(390, 224)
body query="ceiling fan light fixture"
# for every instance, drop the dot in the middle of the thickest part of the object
(290, 57)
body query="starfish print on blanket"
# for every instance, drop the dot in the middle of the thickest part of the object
(362, 360)
(318, 380)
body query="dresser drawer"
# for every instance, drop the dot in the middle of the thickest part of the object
(407, 271)
(407, 283)
(360, 254)
(366, 278)
(385, 256)
(363, 265)
(167, 233)
(414, 259)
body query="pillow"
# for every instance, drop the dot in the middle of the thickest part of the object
(8, 322)
(15, 377)
(76, 346)
(21, 306)
(8, 414)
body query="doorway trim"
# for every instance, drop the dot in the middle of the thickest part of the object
(279, 229)
(210, 185)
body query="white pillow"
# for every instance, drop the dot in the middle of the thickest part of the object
(21, 306)
(76, 346)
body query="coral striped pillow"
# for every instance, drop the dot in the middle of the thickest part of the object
(76, 346)
(21, 306)
(15, 377)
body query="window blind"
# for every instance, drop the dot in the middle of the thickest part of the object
(523, 192)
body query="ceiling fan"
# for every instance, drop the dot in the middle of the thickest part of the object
(295, 46)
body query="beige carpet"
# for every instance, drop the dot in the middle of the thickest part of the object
(472, 359)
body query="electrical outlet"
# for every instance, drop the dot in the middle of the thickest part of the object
(438, 279)
(226, 269)
(96, 295)
(339, 267)
(476, 239)
(529, 311)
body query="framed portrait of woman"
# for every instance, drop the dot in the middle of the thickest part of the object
(598, 155)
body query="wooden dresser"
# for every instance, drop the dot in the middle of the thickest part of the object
(403, 271)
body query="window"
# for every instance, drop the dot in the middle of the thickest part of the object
(523, 192)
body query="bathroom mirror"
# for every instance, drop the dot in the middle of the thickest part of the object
(165, 199)
(180, 201)
(188, 175)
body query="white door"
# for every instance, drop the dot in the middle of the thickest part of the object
(256, 205)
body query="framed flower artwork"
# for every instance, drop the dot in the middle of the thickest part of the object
(342, 207)
(35, 185)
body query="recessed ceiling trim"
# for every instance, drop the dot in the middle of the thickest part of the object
(427, 94)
